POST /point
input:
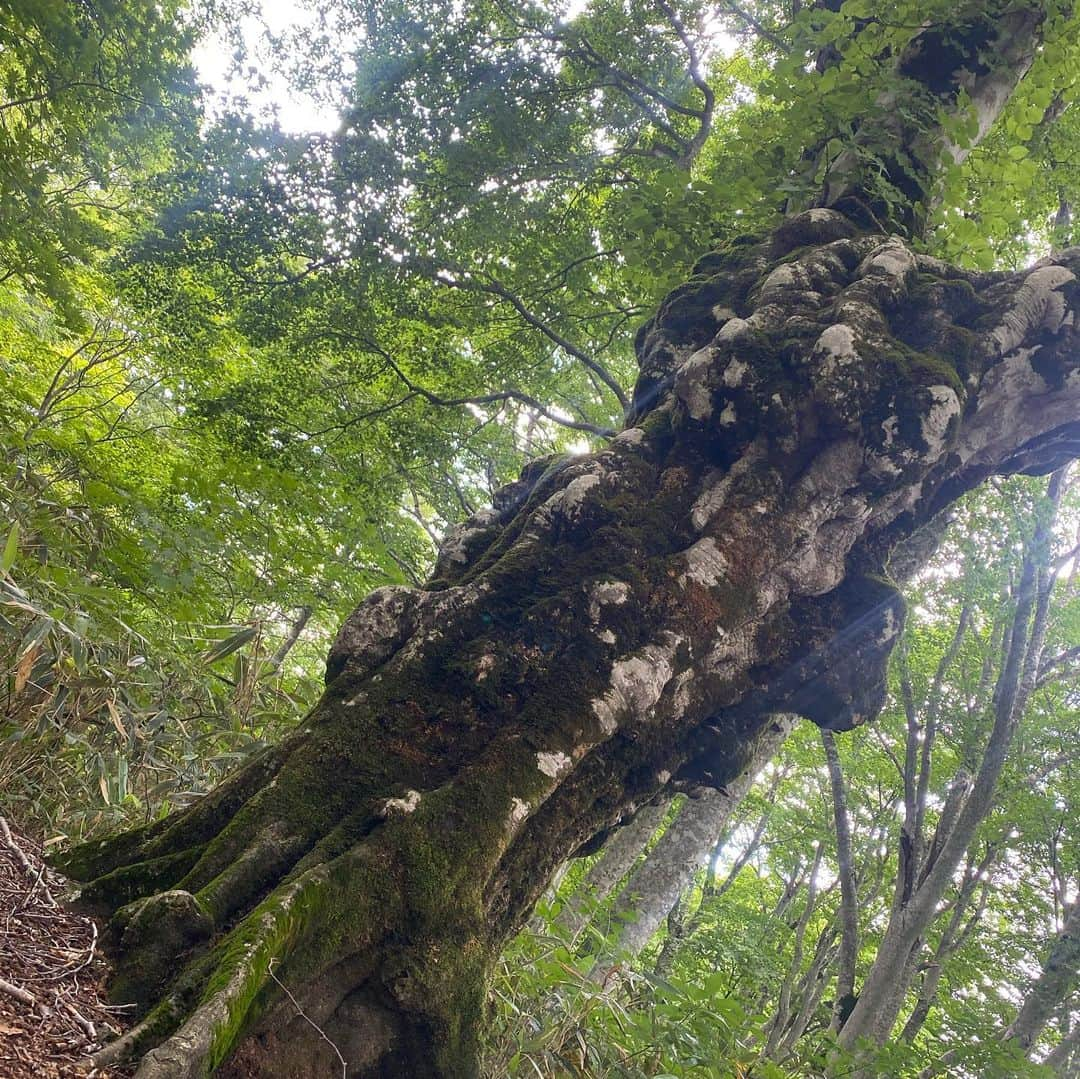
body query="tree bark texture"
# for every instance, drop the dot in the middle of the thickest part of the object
(618, 622)
(683, 922)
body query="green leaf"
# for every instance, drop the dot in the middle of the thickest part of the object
(11, 549)
(229, 645)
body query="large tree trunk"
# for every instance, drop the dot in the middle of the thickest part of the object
(620, 622)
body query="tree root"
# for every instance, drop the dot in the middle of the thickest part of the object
(240, 966)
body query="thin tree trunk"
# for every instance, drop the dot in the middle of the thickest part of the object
(812, 985)
(677, 924)
(953, 938)
(849, 910)
(810, 990)
(295, 629)
(617, 856)
(1064, 1058)
(658, 883)
(1056, 981)
(687, 923)
(783, 1007)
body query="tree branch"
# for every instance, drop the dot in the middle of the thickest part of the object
(500, 396)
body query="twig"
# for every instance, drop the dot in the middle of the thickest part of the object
(43, 947)
(16, 850)
(15, 991)
(762, 31)
(83, 1023)
(91, 951)
(303, 1015)
(38, 879)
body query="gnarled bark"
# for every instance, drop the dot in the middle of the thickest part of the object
(807, 401)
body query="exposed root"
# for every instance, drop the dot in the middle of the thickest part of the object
(209, 1032)
(133, 1041)
(131, 882)
(267, 860)
(153, 933)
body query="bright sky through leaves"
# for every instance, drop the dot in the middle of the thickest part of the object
(265, 86)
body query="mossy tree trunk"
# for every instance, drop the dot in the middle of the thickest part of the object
(619, 623)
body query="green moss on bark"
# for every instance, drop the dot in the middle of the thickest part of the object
(131, 882)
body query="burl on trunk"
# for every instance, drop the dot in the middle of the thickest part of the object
(808, 402)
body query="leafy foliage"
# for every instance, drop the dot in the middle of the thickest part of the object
(95, 97)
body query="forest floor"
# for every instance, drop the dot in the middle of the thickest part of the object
(53, 1008)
